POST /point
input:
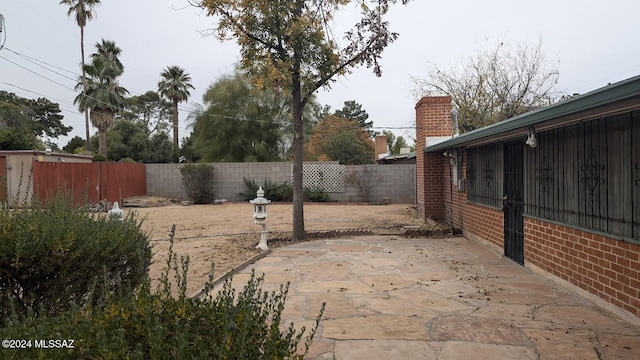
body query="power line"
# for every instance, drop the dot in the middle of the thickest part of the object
(183, 108)
(35, 73)
(71, 108)
(35, 61)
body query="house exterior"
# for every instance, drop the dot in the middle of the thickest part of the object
(566, 205)
(16, 165)
(383, 154)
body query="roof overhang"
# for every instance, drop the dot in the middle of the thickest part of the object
(612, 99)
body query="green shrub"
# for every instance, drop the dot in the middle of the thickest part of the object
(157, 325)
(53, 254)
(127, 160)
(197, 180)
(99, 158)
(316, 194)
(272, 191)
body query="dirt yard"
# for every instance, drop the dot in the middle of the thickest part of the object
(226, 234)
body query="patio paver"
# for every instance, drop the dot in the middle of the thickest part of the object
(394, 298)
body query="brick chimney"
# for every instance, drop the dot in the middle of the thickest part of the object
(382, 147)
(433, 124)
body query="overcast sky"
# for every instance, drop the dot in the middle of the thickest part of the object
(595, 42)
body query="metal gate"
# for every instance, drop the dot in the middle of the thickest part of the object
(512, 203)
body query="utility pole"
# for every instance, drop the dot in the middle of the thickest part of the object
(3, 32)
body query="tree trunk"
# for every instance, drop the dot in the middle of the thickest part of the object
(102, 142)
(298, 153)
(87, 144)
(176, 146)
(298, 143)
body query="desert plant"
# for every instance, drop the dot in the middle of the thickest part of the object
(363, 180)
(158, 325)
(272, 191)
(53, 254)
(197, 180)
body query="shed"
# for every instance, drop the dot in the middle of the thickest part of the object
(16, 166)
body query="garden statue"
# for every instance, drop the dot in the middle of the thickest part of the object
(260, 217)
(116, 213)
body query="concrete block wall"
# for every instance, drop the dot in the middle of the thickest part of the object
(228, 177)
(395, 182)
(165, 180)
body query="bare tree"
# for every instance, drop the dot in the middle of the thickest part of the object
(362, 179)
(494, 84)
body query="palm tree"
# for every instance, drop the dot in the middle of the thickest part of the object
(104, 97)
(110, 51)
(174, 86)
(83, 10)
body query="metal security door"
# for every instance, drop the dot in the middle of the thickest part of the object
(512, 203)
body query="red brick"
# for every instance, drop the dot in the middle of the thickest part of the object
(610, 257)
(632, 255)
(617, 268)
(623, 279)
(617, 302)
(623, 262)
(610, 274)
(598, 287)
(633, 292)
(603, 280)
(618, 251)
(609, 291)
(616, 285)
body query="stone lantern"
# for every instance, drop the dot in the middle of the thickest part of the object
(260, 217)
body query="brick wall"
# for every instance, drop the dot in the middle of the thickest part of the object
(396, 182)
(433, 118)
(475, 221)
(381, 146)
(482, 222)
(602, 266)
(605, 267)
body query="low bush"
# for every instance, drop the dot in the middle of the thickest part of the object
(197, 180)
(272, 191)
(53, 254)
(316, 194)
(99, 158)
(157, 325)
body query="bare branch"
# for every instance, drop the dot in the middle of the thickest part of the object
(494, 84)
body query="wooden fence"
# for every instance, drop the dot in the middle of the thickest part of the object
(89, 182)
